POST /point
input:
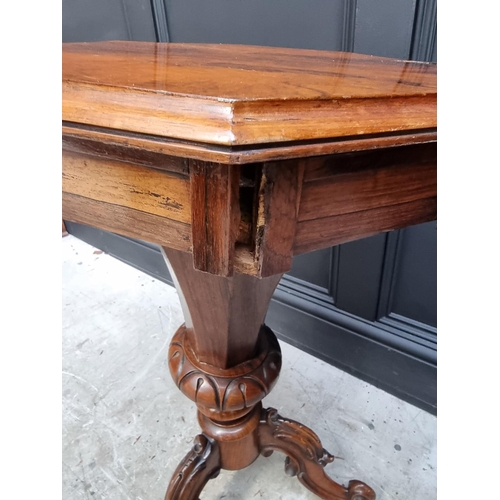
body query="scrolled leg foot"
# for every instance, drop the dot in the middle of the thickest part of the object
(360, 491)
(306, 457)
(200, 465)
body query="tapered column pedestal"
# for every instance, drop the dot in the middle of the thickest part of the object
(226, 360)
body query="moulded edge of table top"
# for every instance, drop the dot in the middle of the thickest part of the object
(273, 102)
(81, 138)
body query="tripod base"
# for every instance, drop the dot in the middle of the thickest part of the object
(305, 456)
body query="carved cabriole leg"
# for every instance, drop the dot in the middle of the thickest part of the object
(200, 465)
(226, 360)
(306, 457)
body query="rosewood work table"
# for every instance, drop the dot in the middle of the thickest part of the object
(234, 159)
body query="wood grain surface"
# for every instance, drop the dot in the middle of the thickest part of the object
(123, 149)
(332, 147)
(278, 205)
(328, 231)
(355, 182)
(127, 222)
(82, 138)
(145, 189)
(215, 216)
(233, 159)
(225, 313)
(243, 95)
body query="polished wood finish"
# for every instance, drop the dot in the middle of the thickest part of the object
(126, 221)
(254, 226)
(350, 196)
(329, 231)
(277, 209)
(261, 431)
(357, 182)
(215, 216)
(143, 189)
(137, 112)
(82, 137)
(234, 159)
(239, 95)
(224, 314)
(224, 393)
(306, 457)
(200, 465)
(237, 439)
(96, 143)
(227, 361)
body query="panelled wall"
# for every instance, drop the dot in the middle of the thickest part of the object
(369, 306)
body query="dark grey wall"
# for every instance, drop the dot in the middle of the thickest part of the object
(313, 23)
(384, 28)
(368, 306)
(92, 20)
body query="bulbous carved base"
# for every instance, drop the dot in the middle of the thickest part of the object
(225, 394)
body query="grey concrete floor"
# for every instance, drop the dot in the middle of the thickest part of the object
(126, 426)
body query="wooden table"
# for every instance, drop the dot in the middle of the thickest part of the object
(234, 159)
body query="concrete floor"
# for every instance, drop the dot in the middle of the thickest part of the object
(126, 426)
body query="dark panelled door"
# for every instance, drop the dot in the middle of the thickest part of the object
(368, 306)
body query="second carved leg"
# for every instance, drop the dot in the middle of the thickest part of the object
(200, 465)
(306, 457)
